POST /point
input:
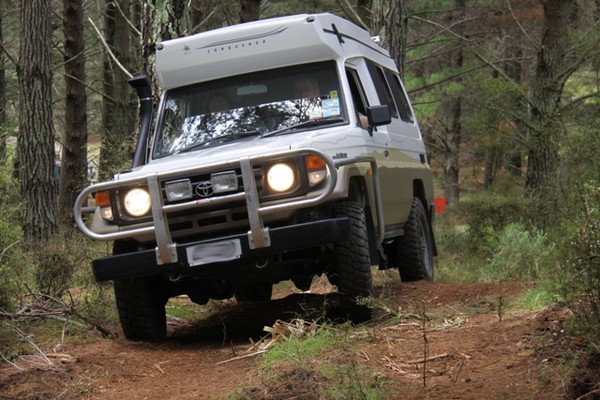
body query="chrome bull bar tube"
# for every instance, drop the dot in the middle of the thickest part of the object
(165, 251)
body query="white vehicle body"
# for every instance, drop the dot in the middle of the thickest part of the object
(233, 112)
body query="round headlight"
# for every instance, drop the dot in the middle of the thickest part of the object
(280, 177)
(137, 202)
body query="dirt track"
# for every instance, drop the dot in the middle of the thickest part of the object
(476, 350)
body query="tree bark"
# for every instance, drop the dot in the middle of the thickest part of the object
(547, 91)
(454, 134)
(73, 172)
(389, 21)
(2, 95)
(36, 132)
(363, 9)
(118, 115)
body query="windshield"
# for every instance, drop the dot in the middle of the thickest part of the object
(249, 106)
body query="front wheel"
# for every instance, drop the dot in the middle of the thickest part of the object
(141, 307)
(415, 247)
(352, 267)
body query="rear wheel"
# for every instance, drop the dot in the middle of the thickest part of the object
(415, 248)
(141, 307)
(352, 263)
(260, 292)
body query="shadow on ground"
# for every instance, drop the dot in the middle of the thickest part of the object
(238, 322)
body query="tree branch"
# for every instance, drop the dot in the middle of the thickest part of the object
(531, 41)
(351, 12)
(9, 54)
(107, 47)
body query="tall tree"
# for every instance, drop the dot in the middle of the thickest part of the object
(2, 94)
(389, 21)
(36, 132)
(74, 143)
(454, 133)
(118, 115)
(552, 71)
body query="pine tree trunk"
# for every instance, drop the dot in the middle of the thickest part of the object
(36, 132)
(2, 96)
(73, 175)
(389, 20)
(118, 115)
(547, 90)
(452, 156)
(454, 135)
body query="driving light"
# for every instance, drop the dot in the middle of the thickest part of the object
(224, 182)
(280, 177)
(137, 202)
(178, 190)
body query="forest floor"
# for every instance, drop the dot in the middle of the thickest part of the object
(471, 345)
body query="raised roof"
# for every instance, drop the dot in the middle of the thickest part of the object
(263, 44)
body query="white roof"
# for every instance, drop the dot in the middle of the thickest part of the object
(263, 44)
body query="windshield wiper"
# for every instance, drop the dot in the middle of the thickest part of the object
(309, 123)
(220, 140)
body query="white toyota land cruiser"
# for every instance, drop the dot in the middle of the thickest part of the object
(281, 149)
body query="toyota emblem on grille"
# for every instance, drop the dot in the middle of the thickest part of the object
(204, 189)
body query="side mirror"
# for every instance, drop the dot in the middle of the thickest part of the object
(378, 115)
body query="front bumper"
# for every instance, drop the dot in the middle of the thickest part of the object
(283, 239)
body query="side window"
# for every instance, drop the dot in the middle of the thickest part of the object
(356, 91)
(382, 88)
(399, 95)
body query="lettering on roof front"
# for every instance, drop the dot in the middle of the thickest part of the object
(242, 42)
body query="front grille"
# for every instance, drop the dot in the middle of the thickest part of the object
(208, 221)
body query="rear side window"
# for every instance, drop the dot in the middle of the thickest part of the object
(382, 88)
(399, 96)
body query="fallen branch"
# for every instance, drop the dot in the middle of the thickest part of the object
(424, 360)
(396, 367)
(256, 353)
(62, 357)
(40, 309)
(11, 363)
(280, 329)
(35, 346)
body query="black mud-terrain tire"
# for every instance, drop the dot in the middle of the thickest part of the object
(352, 267)
(260, 292)
(415, 248)
(141, 307)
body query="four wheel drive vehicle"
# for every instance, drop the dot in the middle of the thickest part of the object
(281, 149)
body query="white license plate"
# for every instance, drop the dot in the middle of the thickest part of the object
(206, 253)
